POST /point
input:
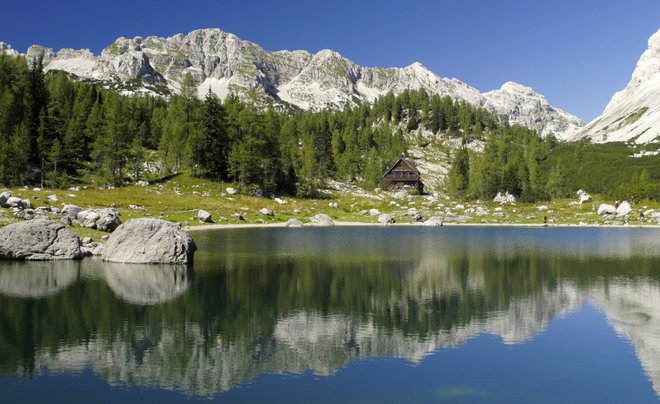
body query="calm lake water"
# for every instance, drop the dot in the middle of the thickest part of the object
(404, 314)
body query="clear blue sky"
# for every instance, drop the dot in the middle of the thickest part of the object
(575, 52)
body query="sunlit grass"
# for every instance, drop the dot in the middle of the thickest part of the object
(179, 199)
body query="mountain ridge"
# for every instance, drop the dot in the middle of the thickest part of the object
(224, 63)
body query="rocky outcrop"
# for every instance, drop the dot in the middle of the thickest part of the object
(633, 114)
(149, 241)
(204, 216)
(38, 239)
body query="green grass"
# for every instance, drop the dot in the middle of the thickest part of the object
(179, 199)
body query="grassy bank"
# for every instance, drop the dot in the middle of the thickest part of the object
(179, 198)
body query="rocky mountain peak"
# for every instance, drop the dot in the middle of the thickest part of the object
(633, 114)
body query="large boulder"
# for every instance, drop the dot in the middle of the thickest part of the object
(434, 221)
(38, 239)
(623, 209)
(149, 241)
(322, 220)
(88, 218)
(605, 209)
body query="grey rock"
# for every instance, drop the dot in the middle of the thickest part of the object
(105, 237)
(385, 218)
(266, 212)
(238, 216)
(66, 220)
(374, 212)
(86, 240)
(38, 239)
(417, 218)
(434, 221)
(294, 223)
(71, 211)
(322, 219)
(108, 220)
(15, 202)
(88, 218)
(149, 241)
(4, 195)
(204, 216)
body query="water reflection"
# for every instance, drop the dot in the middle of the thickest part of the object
(282, 301)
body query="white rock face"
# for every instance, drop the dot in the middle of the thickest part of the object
(223, 63)
(526, 107)
(623, 209)
(633, 114)
(605, 209)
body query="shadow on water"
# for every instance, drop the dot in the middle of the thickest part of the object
(294, 301)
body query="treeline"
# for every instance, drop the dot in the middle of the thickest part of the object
(510, 162)
(55, 131)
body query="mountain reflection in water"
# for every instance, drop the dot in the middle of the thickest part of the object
(292, 301)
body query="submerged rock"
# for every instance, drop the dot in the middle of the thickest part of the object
(149, 241)
(38, 239)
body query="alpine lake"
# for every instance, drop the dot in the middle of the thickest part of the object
(345, 314)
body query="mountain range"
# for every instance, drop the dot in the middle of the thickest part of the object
(225, 64)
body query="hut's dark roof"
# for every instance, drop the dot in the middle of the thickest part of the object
(405, 161)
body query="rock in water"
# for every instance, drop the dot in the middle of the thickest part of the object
(38, 239)
(149, 241)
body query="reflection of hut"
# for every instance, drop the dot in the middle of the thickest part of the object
(403, 174)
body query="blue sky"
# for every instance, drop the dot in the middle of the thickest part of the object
(577, 53)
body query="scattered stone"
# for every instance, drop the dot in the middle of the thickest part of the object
(374, 212)
(238, 216)
(280, 201)
(266, 212)
(53, 198)
(498, 214)
(142, 183)
(71, 211)
(204, 216)
(506, 198)
(401, 195)
(411, 212)
(66, 220)
(417, 218)
(149, 241)
(363, 212)
(333, 204)
(582, 196)
(105, 237)
(322, 220)
(542, 208)
(293, 222)
(15, 202)
(3, 198)
(222, 218)
(479, 211)
(434, 221)
(385, 218)
(38, 239)
(231, 191)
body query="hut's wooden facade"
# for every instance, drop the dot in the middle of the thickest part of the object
(403, 175)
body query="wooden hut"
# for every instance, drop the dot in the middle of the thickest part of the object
(403, 175)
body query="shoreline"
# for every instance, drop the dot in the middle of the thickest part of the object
(231, 226)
